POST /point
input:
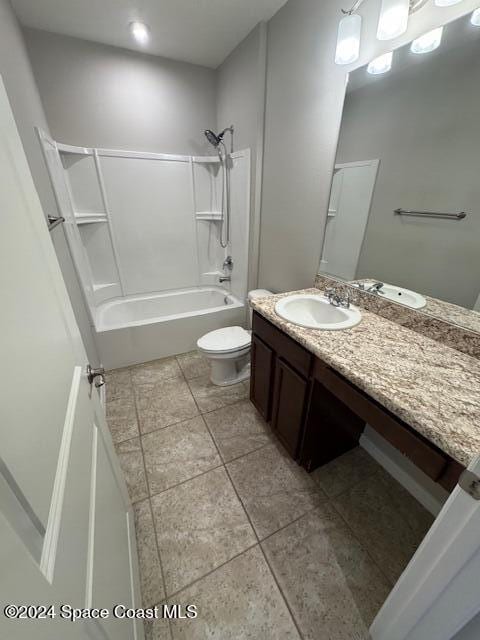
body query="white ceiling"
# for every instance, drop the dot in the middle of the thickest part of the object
(199, 31)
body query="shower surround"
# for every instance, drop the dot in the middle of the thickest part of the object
(144, 233)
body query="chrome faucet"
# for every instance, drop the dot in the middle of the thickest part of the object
(336, 299)
(375, 287)
(227, 266)
(228, 263)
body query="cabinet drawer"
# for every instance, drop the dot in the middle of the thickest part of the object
(296, 356)
(424, 455)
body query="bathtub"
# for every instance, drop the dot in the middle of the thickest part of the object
(144, 327)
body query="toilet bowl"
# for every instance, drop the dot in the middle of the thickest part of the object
(228, 350)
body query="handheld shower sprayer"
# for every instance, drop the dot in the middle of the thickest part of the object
(216, 140)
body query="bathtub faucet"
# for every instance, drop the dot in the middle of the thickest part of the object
(227, 266)
(228, 263)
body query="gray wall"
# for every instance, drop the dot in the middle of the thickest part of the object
(24, 98)
(241, 102)
(305, 92)
(422, 123)
(102, 96)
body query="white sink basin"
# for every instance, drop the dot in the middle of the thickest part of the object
(316, 312)
(406, 297)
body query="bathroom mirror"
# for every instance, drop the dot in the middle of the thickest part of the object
(404, 211)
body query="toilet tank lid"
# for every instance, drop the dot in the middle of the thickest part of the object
(259, 293)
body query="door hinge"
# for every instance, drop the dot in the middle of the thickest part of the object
(470, 483)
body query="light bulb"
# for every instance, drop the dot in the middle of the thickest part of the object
(475, 18)
(393, 19)
(348, 39)
(140, 32)
(428, 42)
(382, 64)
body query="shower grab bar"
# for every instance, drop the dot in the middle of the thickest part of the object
(431, 214)
(54, 221)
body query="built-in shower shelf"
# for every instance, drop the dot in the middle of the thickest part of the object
(208, 215)
(106, 290)
(206, 159)
(104, 285)
(90, 218)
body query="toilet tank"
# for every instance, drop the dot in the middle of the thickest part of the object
(256, 293)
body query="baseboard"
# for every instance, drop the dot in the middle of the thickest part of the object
(431, 495)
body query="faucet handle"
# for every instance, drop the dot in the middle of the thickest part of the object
(345, 300)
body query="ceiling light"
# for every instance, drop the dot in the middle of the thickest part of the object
(348, 39)
(475, 18)
(382, 64)
(428, 42)
(446, 3)
(393, 19)
(140, 32)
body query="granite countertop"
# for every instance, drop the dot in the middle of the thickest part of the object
(433, 388)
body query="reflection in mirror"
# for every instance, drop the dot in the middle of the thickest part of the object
(404, 213)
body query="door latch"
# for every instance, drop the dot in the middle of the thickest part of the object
(470, 483)
(96, 375)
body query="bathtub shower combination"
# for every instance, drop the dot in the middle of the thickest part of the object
(145, 235)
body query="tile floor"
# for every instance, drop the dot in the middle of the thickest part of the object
(226, 521)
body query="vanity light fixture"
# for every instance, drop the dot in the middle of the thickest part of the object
(392, 22)
(382, 64)
(140, 32)
(475, 18)
(428, 42)
(393, 19)
(348, 39)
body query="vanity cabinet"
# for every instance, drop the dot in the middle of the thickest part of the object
(289, 396)
(279, 383)
(318, 414)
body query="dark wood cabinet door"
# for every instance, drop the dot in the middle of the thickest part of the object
(261, 379)
(289, 396)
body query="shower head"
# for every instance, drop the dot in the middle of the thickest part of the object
(216, 138)
(213, 138)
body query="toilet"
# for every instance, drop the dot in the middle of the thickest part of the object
(228, 349)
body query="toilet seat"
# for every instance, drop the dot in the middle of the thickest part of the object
(226, 340)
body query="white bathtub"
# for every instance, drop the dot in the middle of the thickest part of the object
(144, 327)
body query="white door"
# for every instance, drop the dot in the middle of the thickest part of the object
(66, 531)
(350, 201)
(437, 594)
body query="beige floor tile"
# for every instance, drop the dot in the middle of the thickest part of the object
(156, 371)
(157, 629)
(332, 586)
(118, 384)
(238, 429)
(151, 581)
(131, 460)
(122, 419)
(376, 509)
(237, 601)
(164, 403)
(273, 488)
(345, 472)
(177, 453)
(200, 524)
(209, 396)
(193, 364)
